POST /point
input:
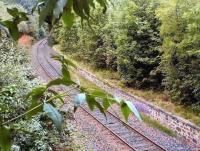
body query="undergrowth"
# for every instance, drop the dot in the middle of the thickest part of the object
(157, 125)
(159, 98)
(16, 80)
(152, 123)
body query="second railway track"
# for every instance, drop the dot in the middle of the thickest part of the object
(123, 131)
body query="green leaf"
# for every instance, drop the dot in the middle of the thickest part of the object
(101, 109)
(54, 115)
(111, 100)
(37, 92)
(12, 11)
(106, 104)
(64, 60)
(98, 93)
(5, 139)
(69, 62)
(12, 28)
(65, 73)
(90, 101)
(67, 19)
(125, 110)
(35, 95)
(35, 111)
(66, 79)
(79, 8)
(134, 110)
(17, 15)
(11, 24)
(60, 81)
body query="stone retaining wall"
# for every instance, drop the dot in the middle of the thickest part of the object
(182, 127)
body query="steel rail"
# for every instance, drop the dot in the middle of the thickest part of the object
(44, 43)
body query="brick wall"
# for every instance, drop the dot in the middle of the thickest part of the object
(182, 127)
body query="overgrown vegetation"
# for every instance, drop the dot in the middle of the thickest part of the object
(157, 125)
(40, 106)
(152, 45)
(181, 59)
(159, 98)
(15, 82)
(148, 120)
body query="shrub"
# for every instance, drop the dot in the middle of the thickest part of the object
(16, 81)
(138, 41)
(181, 59)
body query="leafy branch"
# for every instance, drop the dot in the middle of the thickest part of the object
(51, 11)
(31, 110)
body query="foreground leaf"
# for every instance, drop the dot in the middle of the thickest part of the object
(12, 28)
(133, 109)
(92, 103)
(54, 115)
(125, 110)
(34, 109)
(37, 92)
(67, 19)
(35, 96)
(5, 141)
(98, 93)
(64, 60)
(60, 81)
(79, 99)
(106, 104)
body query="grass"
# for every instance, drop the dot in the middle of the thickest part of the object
(155, 124)
(157, 98)
(85, 83)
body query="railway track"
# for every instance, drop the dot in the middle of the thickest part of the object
(123, 131)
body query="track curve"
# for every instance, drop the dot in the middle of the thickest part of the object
(123, 131)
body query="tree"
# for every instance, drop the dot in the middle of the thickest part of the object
(137, 41)
(181, 59)
(51, 11)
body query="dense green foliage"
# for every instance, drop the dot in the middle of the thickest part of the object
(181, 59)
(42, 100)
(138, 41)
(15, 82)
(124, 41)
(151, 44)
